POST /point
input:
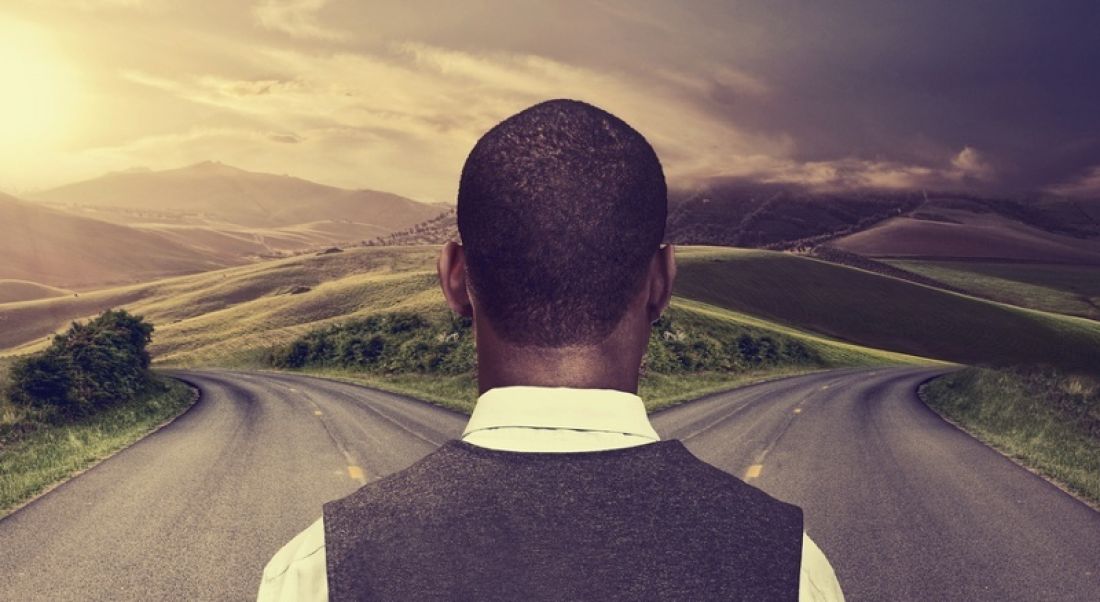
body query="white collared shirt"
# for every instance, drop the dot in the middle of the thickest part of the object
(527, 419)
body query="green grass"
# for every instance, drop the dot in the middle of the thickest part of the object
(1049, 421)
(870, 310)
(1064, 289)
(229, 317)
(34, 456)
(691, 362)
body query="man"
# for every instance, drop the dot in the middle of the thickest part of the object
(559, 488)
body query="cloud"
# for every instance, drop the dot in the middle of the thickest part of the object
(1084, 185)
(426, 106)
(969, 163)
(296, 17)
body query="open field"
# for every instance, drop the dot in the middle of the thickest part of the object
(1059, 288)
(871, 310)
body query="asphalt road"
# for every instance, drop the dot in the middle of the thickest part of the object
(906, 506)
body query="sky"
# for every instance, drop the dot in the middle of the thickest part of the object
(997, 96)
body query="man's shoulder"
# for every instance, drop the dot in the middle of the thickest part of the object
(297, 570)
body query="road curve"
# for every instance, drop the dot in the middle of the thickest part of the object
(906, 506)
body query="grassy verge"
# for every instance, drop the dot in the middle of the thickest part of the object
(1048, 421)
(459, 393)
(34, 456)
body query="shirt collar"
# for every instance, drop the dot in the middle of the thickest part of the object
(525, 406)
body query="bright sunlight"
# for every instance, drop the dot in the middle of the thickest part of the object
(37, 88)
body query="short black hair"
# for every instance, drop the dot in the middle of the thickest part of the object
(560, 209)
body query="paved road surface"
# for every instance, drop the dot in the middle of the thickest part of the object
(906, 506)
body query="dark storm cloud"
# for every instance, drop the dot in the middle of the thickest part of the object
(914, 82)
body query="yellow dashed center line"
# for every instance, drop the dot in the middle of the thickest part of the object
(356, 474)
(754, 471)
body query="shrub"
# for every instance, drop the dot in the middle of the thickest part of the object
(87, 368)
(403, 342)
(395, 342)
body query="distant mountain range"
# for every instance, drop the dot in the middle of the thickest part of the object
(883, 224)
(137, 225)
(212, 193)
(140, 224)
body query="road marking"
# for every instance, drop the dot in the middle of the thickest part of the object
(798, 410)
(316, 412)
(754, 471)
(356, 474)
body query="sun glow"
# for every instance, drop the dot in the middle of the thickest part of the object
(37, 90)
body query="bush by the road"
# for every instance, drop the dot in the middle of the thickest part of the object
(88, 368)
(389, 343)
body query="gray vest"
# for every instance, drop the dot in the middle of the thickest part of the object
(651, 522)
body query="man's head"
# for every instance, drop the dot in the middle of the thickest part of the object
(561, 213)
(561, 207)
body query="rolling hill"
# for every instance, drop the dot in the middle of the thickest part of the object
(228, 316)
(882, 312)
(54, 248)
(219, 317)
(971, 236)
(211, 193)
(187, 220)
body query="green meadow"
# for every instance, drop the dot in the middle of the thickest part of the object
(871, 310)
(1059, 288)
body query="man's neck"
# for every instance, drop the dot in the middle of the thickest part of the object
(582, 368)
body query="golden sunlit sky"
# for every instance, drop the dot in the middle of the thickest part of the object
(392, 95)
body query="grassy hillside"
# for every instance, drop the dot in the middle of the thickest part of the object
(216, 316)
(1058, 288)
(876, 311)
(225, 317)
(230, 316)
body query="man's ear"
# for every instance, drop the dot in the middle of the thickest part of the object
(662, 274)
(452, 278)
